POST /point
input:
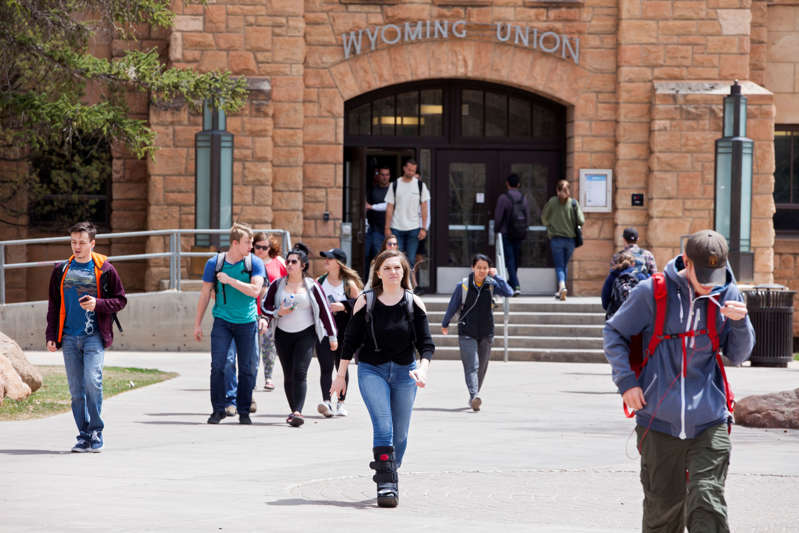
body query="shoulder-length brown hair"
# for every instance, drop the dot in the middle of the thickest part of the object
(377, 283)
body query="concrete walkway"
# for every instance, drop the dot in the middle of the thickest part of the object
(548, 452)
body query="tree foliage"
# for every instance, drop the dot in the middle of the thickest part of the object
(45, 68)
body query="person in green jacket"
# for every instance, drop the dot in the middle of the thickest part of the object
(559, 218)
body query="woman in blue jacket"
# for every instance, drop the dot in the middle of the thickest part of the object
(473, 300)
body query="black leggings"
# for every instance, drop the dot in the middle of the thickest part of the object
(326, 359)
(295, 351)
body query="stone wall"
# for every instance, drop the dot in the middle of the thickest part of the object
(786, 271)
(588, 89)
(686, 121)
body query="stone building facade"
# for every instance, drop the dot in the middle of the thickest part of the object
(640, 83)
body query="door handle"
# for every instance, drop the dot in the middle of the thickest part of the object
(491, 232)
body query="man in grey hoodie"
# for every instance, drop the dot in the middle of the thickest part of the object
(679, 397)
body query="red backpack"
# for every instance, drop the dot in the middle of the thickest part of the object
(639, 357)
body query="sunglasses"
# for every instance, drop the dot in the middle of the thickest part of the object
(392, 245)
(259, 247)
(292, 261)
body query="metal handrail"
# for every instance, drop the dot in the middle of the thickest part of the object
(174, 254)
(503, 270)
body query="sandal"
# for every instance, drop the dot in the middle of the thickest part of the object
(296, 420)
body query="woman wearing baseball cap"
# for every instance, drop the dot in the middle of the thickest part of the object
(341, 285)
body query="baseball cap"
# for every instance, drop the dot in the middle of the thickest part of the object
(335, 253)
(630, 235)
(708, 251)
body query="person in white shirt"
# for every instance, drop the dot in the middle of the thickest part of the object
(404, 198)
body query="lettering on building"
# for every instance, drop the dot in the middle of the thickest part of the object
(368, 39)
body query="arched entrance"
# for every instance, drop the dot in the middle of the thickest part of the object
(467, 136)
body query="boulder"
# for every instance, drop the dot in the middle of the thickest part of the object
(15, 388)
(29, 373)
(774, 410)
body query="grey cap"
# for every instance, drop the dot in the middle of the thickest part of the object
(708, 251)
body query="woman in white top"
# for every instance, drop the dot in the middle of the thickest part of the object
(342, 286)
(299, 316)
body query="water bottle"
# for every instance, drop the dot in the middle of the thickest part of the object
(289, 302)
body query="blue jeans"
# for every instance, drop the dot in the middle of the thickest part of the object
(222, 334)
(388, 392)
(562, 249)
(373, 242)
(231, 383)
(408, 242)
(83, 362)
(513, 252)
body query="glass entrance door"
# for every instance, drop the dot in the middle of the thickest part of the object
(467, 188)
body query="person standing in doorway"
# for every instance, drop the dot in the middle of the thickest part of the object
(85, 296)
(561, 215)
(404, 198)
(237, 282)
(376, 214)
(511, 217)
(473, 300)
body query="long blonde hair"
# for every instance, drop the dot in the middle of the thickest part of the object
(349, 276)
(377, 283)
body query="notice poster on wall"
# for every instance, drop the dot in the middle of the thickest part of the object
(596, 186)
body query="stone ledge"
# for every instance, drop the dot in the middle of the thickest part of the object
(707, 87)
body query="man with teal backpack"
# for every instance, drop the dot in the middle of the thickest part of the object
(236, 282)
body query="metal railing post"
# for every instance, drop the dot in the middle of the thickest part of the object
(177, 260)
(172, 281)
(503, 269)
(2, 274)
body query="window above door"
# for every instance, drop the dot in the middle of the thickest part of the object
(466, 112)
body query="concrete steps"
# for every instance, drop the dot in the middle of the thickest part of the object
(539, 329)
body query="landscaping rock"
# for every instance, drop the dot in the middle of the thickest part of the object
(15, 388)
(775, 410)
(29, 373)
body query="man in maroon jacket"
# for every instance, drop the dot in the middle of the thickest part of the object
(85, 295)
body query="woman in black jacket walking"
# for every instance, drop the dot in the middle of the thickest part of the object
(388, 326)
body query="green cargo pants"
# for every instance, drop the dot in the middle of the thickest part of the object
(683, 481)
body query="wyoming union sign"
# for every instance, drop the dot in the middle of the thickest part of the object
(549, 42)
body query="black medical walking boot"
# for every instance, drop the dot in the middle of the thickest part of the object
(385, 476)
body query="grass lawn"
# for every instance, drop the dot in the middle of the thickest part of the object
(53, 397)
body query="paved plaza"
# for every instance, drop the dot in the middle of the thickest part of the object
(550, 451)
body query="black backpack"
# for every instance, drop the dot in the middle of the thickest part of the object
(220, 262)
(517, 225)
(622, 286)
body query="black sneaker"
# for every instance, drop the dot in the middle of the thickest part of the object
(216, 417)
(296, 421)
(245, 419)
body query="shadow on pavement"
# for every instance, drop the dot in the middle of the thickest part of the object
(442, 409)
(35, 452)
(203, 423)
(588, 392)
(364, 504)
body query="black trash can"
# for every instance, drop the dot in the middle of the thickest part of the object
(770, 309)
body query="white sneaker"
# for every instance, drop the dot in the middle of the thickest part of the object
(325, 409)
(341, 410)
